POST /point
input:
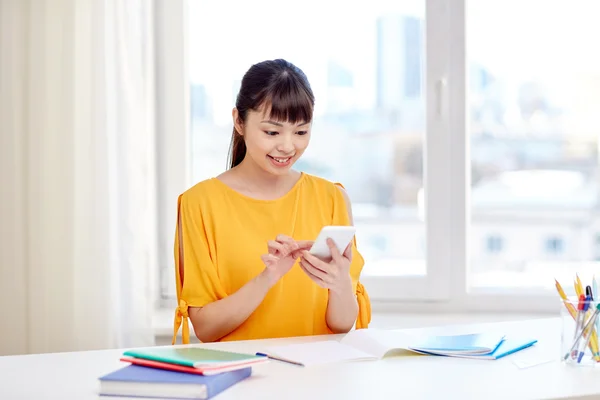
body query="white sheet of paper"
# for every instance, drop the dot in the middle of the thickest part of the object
(324, 352)
(524, 363)
(377, 342)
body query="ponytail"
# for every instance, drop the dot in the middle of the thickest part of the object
(237, 150)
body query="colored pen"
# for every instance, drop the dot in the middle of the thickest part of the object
(574, 348)
(578, 332)
(586, 326)
(595, 294)
(580, 314)
(280, 359)
(573, 312)
(591, 323)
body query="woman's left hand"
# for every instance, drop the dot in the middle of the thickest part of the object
(333, 275)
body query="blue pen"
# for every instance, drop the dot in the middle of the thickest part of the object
(595, 294)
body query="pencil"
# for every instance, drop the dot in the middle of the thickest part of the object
(593, 345)
(578, 286)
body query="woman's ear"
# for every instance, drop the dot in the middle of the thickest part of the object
(236, 121)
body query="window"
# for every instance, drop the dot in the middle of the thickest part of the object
(369, 120)
(369, 76)
(533, 131)
(554, 245)
(494, 244)
(447, 120)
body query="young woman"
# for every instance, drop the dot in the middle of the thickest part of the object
(243, 270)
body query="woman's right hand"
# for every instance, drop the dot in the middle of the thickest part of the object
(282, 255)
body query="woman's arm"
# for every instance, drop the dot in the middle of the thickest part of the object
(342, 305)
(334, 275)
(217, 319)
(342, 308)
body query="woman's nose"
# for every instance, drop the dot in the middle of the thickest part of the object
(286, 145)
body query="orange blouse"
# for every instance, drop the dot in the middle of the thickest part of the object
(224, 233)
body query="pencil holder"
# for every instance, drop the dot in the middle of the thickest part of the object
(579, 335)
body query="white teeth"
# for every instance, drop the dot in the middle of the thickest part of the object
(281, 160)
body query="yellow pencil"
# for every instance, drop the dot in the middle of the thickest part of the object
(593, 344)
(578, 286)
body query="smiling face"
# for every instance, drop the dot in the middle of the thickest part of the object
(273, 145)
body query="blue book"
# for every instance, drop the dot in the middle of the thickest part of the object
(507, 346)
(139, 381)
(476, 343)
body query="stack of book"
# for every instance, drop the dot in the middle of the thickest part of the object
(178, 373)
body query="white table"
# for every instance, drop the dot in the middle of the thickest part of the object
(74, 375)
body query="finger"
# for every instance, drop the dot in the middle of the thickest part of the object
(302, 245)
(288, 242)
(348, 251)
(276, 247)
(284, 239)
(335, 253)
(315, 271)
(313, 277)
(305, 244)
(296, 254)
(314, 261)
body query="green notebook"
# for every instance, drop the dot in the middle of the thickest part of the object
(196, 357)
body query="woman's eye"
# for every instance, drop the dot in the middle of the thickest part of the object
(271, 133)
(302, 132)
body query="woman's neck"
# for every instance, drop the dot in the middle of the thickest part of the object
(257, 179)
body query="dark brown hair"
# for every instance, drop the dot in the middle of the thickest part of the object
(283, 90)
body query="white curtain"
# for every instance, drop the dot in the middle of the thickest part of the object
(78, 240)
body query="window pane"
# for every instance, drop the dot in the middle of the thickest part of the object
(534, 92)
(367, 72)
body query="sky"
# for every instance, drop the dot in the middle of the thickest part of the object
(242, 33)
(549, 40)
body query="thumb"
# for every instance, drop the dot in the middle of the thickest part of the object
(335, 253)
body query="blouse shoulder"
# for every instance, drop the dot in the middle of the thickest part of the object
(333, 189)
(202, 190)
(198, 199)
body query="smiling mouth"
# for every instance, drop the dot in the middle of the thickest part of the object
(281, 160)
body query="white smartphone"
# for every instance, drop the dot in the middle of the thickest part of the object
(341, 236)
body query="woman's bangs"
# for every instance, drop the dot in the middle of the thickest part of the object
(292, 105)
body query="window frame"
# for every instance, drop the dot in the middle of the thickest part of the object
(172, 122)
(447, 168)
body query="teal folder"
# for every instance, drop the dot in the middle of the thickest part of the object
(194, 356)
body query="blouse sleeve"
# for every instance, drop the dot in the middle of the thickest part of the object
(341, 216)
(196, 277)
